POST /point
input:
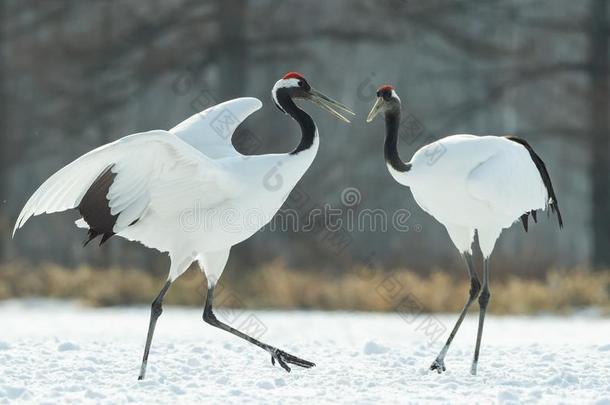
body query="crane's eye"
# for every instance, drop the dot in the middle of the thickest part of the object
(301, 84)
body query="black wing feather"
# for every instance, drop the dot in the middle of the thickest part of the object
(95, 209)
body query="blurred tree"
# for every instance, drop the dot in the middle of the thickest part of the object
(599, 76)
(447, 21)
(5, 150)
(79, 73)
(233, 53)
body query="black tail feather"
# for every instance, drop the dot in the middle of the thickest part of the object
(92, 234)
(105, 238)
(524, 219)
(553, 204)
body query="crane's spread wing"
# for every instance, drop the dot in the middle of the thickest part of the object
(514, 182)
(211, 130)
(114, 185)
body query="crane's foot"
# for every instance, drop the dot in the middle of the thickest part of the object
(284, 359)
(438, 365)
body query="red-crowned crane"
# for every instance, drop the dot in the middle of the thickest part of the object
(175, 191)
(471, 184)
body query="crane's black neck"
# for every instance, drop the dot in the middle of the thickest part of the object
(390, 147)
(308, 127)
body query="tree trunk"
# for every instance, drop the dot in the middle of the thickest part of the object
(4, 161)
(600, 131)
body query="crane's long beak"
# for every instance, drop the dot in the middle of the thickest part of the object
(375, 110)
(329, 104)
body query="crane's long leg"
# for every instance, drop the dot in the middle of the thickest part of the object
(475, 287)
(276, 354)
(483, 301)
(155, 312)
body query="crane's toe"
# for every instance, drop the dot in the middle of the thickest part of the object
(284, 359)
(438, 365)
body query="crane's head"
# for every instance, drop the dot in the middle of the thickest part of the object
(387, 101)
(293, 86)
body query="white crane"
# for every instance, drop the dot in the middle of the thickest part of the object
(470, 184)
(188, 192)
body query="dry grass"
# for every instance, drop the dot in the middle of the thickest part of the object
(275, 286)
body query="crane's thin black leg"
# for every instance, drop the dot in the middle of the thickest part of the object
(155, 312)
(475, 287)
(483, 301)
(276, 354)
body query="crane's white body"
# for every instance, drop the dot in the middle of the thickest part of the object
(468, 183)
(192, 194)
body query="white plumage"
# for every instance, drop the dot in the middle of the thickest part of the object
(470, 183)
(179, 185)
(187, 191)
(473, 186)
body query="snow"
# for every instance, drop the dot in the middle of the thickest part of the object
(57, 352)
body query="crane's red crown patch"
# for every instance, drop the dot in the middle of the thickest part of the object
(293, 75)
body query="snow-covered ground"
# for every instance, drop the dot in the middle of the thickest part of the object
(60, 352)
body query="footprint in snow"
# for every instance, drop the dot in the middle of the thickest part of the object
(67, 346)
(372, 347)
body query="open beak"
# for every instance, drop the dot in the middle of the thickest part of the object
(329, 104)
(375, 110)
